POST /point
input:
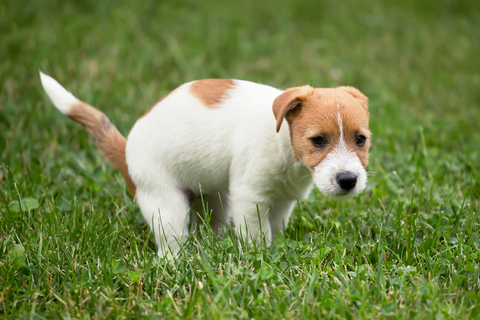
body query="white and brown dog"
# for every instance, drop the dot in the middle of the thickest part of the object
(221, 138)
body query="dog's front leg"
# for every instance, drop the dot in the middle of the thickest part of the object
(166, 211)
(280, 213)
(249, 216)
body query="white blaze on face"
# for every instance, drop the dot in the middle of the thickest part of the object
(341, 159)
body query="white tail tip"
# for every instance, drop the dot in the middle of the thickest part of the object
(61, 98)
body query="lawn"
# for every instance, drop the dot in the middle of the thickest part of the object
(73, 244)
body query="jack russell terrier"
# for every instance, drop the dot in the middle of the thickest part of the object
(248, 148)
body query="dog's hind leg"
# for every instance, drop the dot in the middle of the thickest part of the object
(166, 211)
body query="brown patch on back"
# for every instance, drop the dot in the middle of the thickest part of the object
(316, 114)
(156, 103)
(211, 91)
(108, 139)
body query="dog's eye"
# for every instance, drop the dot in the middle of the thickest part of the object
(360, 141)
(319, 141)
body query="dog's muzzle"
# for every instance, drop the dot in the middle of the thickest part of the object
(347, 180)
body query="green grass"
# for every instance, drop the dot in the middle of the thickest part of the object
(408, 247)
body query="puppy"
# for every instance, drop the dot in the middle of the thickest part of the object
(250, 149)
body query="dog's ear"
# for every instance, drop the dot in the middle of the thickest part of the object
(357, 95)
(289, 100)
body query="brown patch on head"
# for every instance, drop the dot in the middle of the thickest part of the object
(315, 112)
(354, 92)
(211, 91)
(355, 123)
(151, 108)
(107, 138)
(288, 101)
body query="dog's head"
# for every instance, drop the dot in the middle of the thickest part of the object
(329, 134)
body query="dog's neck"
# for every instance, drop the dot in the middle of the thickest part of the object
(295, 180)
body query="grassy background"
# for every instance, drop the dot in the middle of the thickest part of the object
(79, 248)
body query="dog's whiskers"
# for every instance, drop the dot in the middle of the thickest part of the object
(373, 173)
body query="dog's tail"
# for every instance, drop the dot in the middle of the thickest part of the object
(108, 139)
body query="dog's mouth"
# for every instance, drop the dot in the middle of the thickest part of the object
(343, 195)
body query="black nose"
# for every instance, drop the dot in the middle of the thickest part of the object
(347, 180)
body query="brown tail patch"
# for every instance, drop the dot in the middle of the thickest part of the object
(108, 139)
(211, 91)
